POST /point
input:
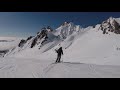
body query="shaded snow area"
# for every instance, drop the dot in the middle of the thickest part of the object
(92, 52)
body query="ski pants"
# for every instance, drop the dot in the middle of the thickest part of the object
(58, 58)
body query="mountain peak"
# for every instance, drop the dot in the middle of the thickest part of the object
(66, 29)
(110, 25)
(65, 23)
(111, 18)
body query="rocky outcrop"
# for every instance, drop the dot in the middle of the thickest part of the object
(22, 42)
(110, 25)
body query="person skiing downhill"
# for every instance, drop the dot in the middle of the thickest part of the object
(59, 53)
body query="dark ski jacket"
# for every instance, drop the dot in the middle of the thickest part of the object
(59, 51)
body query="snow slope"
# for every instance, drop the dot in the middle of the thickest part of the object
(80, 70)
(39, 68)
(94, 47)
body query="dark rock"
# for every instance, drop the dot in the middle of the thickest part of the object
(22, 42)
(110, 26)
(29, 38)
(34, 43)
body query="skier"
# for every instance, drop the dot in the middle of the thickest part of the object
(59, 52)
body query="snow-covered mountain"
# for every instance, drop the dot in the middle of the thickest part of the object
(98, 43)
(110, 25)
(46, 39)
(92, 52)
(66, 29)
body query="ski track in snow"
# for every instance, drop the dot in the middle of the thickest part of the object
(48, 68)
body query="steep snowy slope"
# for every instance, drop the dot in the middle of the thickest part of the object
(46, 40)
(96, 47)
(42, 42)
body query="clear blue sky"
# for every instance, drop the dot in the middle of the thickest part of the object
(24, 24)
